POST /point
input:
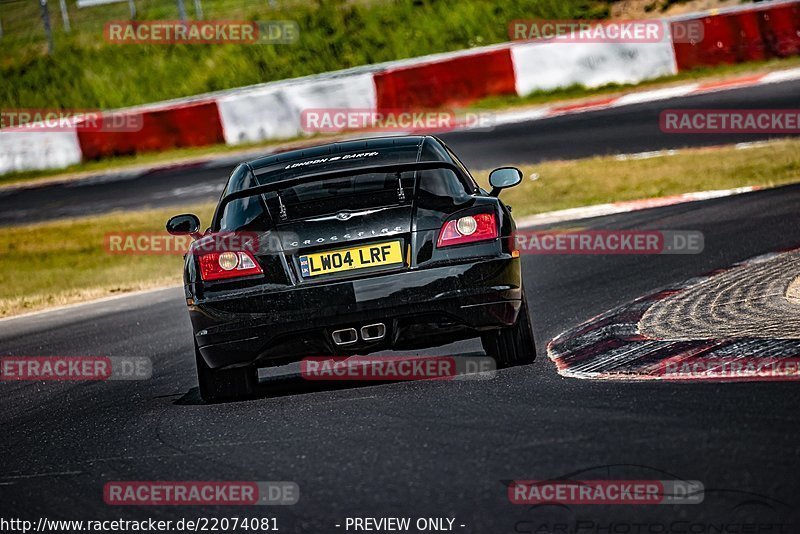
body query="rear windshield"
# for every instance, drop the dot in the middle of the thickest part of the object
(328, 197)
(338, 194)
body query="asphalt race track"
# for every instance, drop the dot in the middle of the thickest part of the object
(627, 130)
(421, 449)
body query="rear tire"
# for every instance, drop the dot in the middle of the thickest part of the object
(513, 345)
(218, 385)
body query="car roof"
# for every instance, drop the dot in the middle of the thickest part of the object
(398, 149)
(391, 144)
(339, 156)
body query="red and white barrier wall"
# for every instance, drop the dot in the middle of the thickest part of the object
(749, 33)
(273, 110)
(22, 151)
(454, 80)
(542, 66)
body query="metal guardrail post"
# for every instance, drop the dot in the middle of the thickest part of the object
(46, 21)
(64, 15)
(181, 10)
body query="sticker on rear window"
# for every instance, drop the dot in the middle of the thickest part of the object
(332, 158)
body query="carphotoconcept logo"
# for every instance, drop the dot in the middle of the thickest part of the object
(160, 32)
(569, 503)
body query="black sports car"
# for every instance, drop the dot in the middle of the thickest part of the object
(351, 248)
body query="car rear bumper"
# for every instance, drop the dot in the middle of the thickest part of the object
(420, 308)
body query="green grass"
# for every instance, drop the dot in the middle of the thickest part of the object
(598, 180)
(59, 262)
(85, 71)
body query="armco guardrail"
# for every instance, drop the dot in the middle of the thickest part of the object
(273, 110)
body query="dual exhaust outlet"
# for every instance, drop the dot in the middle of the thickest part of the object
(348, 336)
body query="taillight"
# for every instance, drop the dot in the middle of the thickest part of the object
(468, 229)
(224, 265)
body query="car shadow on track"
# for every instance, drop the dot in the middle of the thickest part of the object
(295, 385)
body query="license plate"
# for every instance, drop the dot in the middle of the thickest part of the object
(346, 259)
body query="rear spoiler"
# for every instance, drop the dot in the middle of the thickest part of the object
(304, 178)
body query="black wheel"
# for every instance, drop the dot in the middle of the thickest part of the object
(224, 384)
(513, 345)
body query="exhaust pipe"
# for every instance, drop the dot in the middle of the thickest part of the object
(373, 332)
(345, 336)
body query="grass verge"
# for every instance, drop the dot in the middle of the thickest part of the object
(599, 180)
(53, 263)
